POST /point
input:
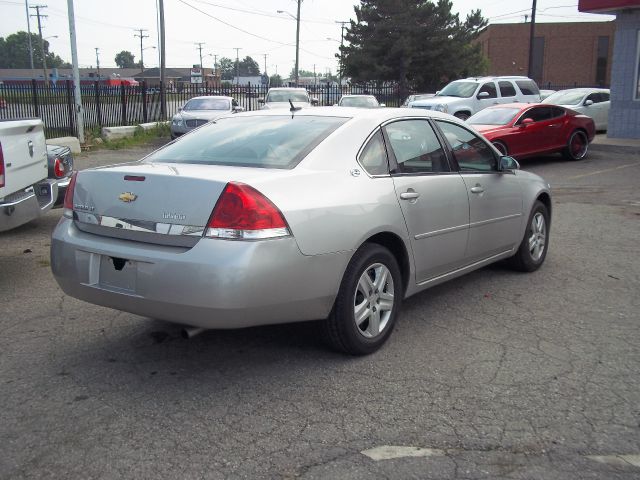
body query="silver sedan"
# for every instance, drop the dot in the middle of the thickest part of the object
(271, 217)
(200, 110)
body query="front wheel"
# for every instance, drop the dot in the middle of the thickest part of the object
(461, 115)
(533, 248)
(577, 146)
(368, 302)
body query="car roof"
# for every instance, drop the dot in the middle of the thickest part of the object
(358, 95)
(379, 115)
(201, 97)
(585, 90)
(288, 88)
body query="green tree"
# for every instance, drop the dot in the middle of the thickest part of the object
(126, 59)
(275, 81)
(14, 52)
(227, 68)
(248, 67)
(418, 43)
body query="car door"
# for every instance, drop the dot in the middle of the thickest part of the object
(507, 92)
(433, 198)
(543, 134)
(495, 198)
(598, 110)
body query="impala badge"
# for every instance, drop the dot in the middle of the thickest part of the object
(127, 197)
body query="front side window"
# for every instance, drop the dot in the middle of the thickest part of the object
(537, 114)
(416, 147)
(594, 97)
(471, 152)
(262, 142)
(489, 88)
(374, 156)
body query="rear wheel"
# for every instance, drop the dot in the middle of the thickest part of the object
(368, 302)
(577, 146)
(533, 248)
(502, 148)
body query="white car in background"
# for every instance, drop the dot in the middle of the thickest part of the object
(285, 96)
(463, 98)
(593, 102)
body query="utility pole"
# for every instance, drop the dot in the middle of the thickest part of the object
(26, 6)
(44, 58)
(237, 65)
(76, 71)
(163, 107)
(342, 27)
(532, 38)
(315, 82)
(297, 41)
(265, 63)
(98, 61)
(200, 44)
(142, 36)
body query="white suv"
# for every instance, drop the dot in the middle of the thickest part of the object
(463, 98)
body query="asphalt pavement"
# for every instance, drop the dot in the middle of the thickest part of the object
(493, 375)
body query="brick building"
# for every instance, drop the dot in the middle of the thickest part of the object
(564, 54)
(624, 115)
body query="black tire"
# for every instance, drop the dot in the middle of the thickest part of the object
(577, 146)
(462, 115)
(527, 258)
(341, 330)
(502, 148)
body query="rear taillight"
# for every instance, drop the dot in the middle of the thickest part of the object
(58, 168)
(68, 197)
(1, 167)
(243, 213)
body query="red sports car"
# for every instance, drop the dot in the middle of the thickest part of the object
(525, 129)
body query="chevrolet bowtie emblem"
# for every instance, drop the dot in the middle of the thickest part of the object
(127, 197)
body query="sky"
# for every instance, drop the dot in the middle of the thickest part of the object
(254, 26)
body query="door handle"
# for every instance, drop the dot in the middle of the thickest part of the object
(409, 195)
(477, 189)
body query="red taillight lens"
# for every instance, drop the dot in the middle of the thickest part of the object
(244, 213)
(58, 168)
(1, 167)
(68, 196)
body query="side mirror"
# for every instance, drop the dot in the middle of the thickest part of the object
(438, 92)
(261, 100)
(180, 109)
(527, 121)
(238, 109)
(314, 101)
(508, 164)
(383, 104)
(483, 95)
(588, 103)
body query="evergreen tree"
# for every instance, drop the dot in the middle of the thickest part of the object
(125, 59)
(418, 43)
(14, 52)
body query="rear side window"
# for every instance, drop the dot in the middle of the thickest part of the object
(374, 156)
(263, 142)
(528, 87)
(507, 89)
(416, 147)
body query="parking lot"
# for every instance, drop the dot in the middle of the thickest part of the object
(493, 375)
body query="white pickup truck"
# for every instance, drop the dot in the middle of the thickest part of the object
(25, 191)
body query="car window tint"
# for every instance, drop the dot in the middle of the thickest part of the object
(605, 96)
(490, 88)
(537, 114)
(246, 141)
(374, 156)
(528, 87)
(506, 89)
(470, 151)
(416, 147)
(594, 97)
(557, 112)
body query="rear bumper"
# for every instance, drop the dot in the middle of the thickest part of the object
(215, 284)
(27, 205)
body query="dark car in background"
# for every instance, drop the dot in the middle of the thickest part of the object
(60, 167)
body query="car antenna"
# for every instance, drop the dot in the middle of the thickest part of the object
(293, 109)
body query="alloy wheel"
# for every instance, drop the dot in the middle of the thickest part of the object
(373, 300)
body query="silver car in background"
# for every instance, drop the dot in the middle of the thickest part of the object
(274, 216)
(592, 102)
(200, 110)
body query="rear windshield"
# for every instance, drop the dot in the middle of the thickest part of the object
(260, 141)
(208, 104)
(286, 95)
(362, 102)
(493, 116)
